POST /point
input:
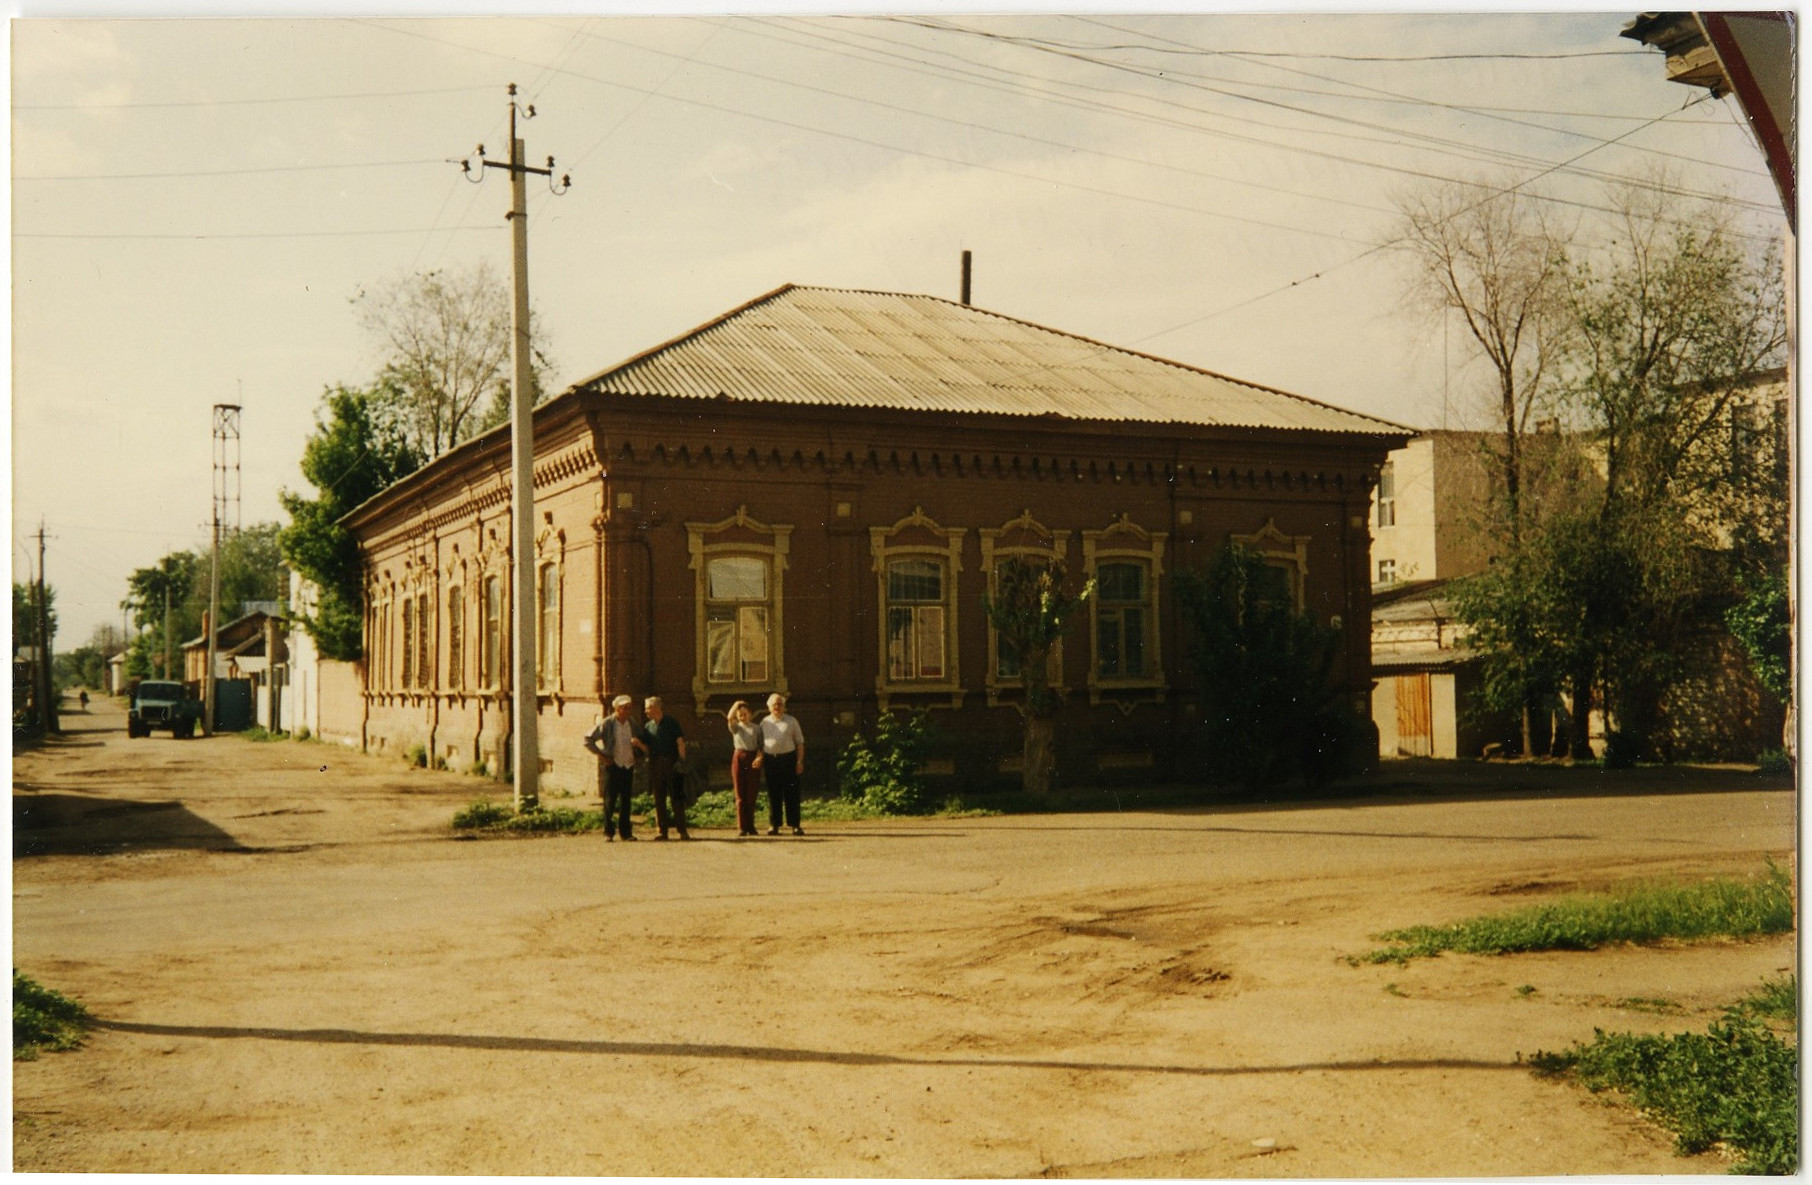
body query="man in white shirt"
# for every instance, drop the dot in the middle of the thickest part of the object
(783, 759)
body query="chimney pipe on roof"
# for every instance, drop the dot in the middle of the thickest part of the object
(965, 277)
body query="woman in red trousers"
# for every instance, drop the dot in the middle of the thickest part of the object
(745, 762)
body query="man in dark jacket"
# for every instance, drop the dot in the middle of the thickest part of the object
(666, 747)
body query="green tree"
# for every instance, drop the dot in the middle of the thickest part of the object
(354, 452)
(1669, 327)
(85, 666)
(1031, 611)
(173, 576)
(1270, 708)
(250, 571)
(25, 620)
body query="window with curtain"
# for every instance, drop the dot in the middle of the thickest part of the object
(916, 615)
(738, 613)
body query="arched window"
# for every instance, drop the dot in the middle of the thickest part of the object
(916, 563)
(1024, 537)
(456, 625)
(738, 620)
(424, 641)
(1122, 619)
(740, 600)
(1126, 661)
(490, 666)
(408, 641)
(547, 635)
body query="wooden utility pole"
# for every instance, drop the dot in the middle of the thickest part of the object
(525, 703)
(46, 690)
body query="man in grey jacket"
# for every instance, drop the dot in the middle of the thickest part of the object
(615, 742)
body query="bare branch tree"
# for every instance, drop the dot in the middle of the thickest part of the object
(445, 341)
(1490, 255)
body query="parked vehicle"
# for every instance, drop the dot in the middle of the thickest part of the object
(159, 704)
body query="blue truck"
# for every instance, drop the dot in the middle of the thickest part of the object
(158, 704)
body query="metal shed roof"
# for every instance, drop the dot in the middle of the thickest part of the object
(844, 348)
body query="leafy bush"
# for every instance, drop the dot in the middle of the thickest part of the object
(1269, 705)
(483, 814)
(1635, 913)
(302, 733)
(1774, 763)
(1776, 999)
(416, 755)
(885, 772)
(43, 1019)
(1762, 622)
(1736, 1084)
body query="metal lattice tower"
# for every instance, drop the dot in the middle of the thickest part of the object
(226, 466)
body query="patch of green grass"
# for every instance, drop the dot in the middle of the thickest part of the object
(1636, 913)
(485, 815)
(1655, 1004)
(259, 734)
(1774, 763)
(1526, 990)
(1736, 1084)
(1776, 999)
(43, 1019)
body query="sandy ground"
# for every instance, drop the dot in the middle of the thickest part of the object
(298, 969)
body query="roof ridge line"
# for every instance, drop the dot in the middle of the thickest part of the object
(704, 327)
(1099, 344)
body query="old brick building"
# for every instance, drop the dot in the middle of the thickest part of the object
(809, 494)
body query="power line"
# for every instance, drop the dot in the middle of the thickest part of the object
(1380, 95)
(279, 234)
(381, 164)
(445, 90)
(852, 138)
(1203, 52)
(1222, 133)
(1177, 79)
(1373, 94)
(999, 131)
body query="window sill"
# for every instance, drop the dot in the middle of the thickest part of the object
(886, 691)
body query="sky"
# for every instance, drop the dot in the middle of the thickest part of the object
(197, 202)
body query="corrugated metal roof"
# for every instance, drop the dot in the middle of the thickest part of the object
(837, 347)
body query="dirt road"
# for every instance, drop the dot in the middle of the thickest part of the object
(298, 970)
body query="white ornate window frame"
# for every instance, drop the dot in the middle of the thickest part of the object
(1287, 552)
(992, 552)
(1124, 539)
(453, 673)
(949, 554)
(550, 560)
(378, 660)
(703, 547)
(490, 669)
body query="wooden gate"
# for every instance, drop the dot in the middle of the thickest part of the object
(1415, 715)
